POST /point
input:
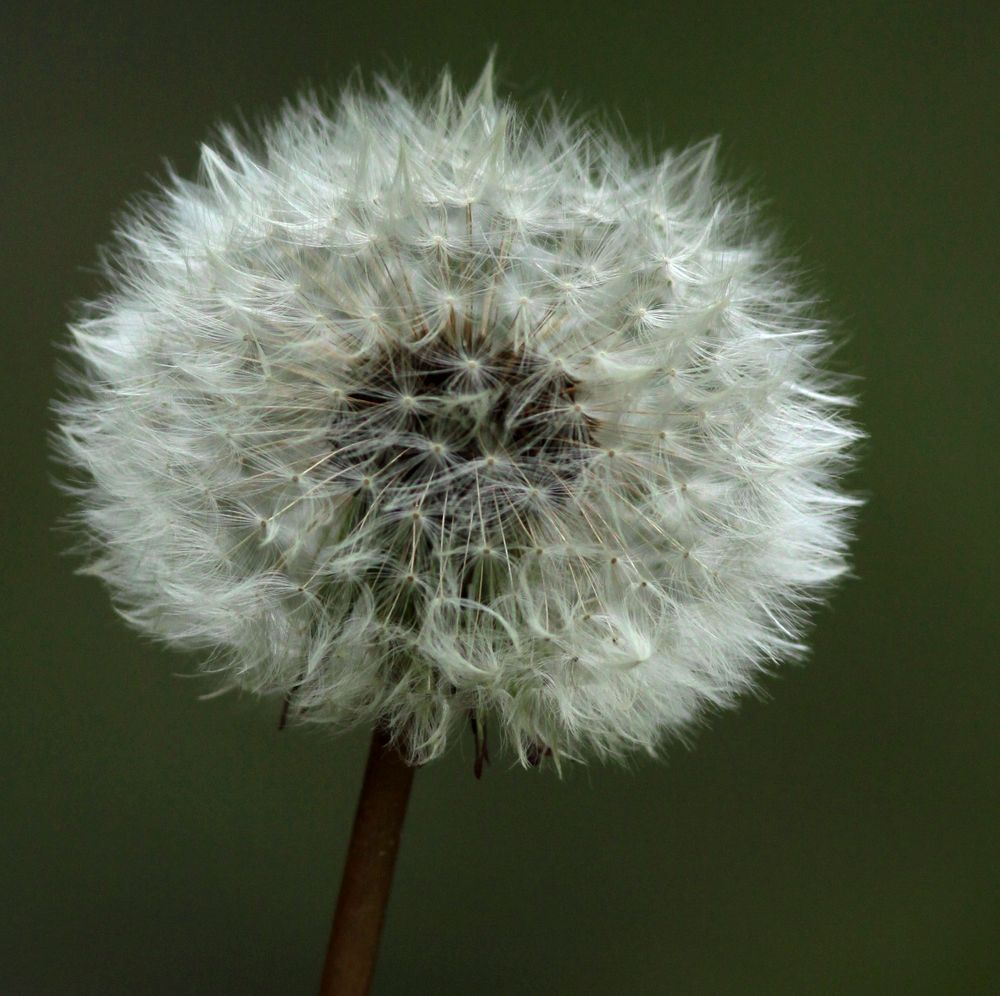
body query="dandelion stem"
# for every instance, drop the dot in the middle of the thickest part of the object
(367, 879)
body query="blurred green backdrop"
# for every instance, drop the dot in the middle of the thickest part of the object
(839, 838)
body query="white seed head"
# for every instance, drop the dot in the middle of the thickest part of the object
(417, 408)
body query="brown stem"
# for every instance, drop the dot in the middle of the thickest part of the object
(371, 856)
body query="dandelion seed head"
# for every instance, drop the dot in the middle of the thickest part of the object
(420, 407)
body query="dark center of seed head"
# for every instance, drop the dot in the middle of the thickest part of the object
(492, 422)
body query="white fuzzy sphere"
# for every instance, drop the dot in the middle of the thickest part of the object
(418, 410)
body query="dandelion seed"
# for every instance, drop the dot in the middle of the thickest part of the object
(416, 408)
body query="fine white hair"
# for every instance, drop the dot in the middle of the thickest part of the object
(418, 409)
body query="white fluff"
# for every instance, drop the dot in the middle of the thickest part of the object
(419, 409)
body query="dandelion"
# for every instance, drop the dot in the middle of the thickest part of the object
(418, 412)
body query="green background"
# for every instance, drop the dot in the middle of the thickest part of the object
(840, 837)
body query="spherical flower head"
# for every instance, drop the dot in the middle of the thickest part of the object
(417, 409)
